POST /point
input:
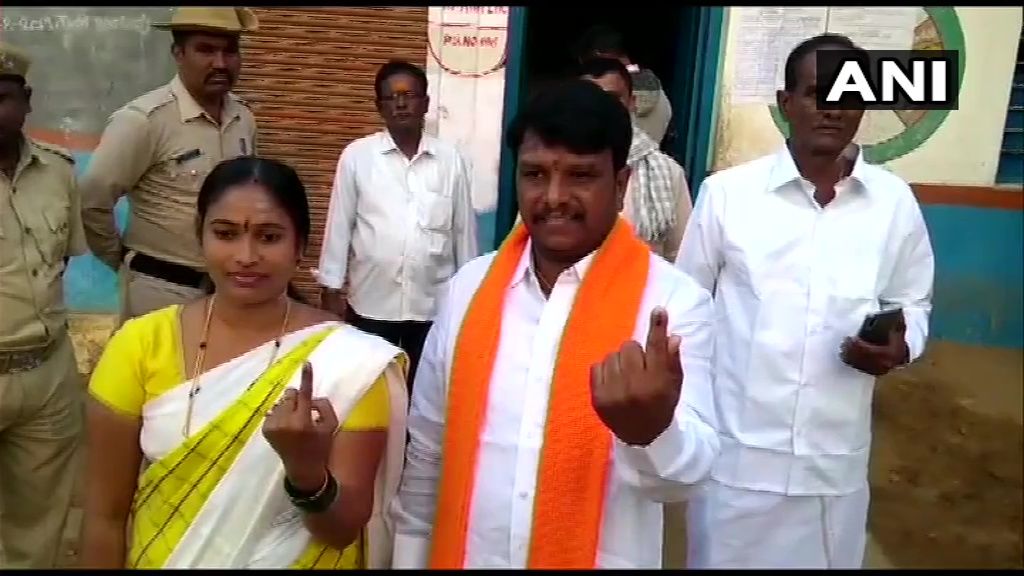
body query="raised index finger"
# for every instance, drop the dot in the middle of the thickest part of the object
(305, 398)
(657, 336)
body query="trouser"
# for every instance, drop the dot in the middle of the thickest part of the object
(41, 419)
(144, 293)
(409, 335)
(736, 528)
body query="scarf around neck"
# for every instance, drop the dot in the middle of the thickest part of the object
(572, 477)
(654, 200)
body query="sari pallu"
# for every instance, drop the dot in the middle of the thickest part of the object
(216, 499)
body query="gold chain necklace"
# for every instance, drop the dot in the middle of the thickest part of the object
(201, 356)
(545, 287)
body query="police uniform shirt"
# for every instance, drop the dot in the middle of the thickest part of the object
(158, 149)
(40, 226)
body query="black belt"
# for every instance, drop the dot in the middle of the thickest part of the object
(168, 271)
(26, 360)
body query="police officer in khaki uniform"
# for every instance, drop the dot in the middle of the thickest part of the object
(157, 149)
(40, 391)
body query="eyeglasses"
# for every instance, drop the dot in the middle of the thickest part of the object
(402, 96)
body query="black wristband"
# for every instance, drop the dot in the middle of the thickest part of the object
(314, 503)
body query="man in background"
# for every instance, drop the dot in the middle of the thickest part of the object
(657, 200)
(653, 109)
(40, 392)
(400, 221)
(799, 247)
(158, 149)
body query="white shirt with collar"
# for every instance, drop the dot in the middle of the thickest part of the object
(641, 479)
(791, 281)
(399, 228)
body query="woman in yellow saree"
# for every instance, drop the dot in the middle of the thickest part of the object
(269, 434)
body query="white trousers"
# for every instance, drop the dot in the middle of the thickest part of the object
(737, 528)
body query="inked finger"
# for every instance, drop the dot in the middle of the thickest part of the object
(304, 398)
(657, 334)
(306, 383)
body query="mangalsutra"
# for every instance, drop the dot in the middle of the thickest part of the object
(197, 367)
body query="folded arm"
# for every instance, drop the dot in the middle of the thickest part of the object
(124, 154)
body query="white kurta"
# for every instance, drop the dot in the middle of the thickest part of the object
(641, 479)
(791, 281)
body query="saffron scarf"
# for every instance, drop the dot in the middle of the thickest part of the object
(572, 476)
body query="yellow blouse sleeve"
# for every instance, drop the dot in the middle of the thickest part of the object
(373, 411)
(117, 379)
(141, 361)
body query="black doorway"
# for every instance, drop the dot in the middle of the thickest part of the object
(652, 37)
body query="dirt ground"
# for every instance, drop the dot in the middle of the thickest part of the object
(947, 462)
(948, 456)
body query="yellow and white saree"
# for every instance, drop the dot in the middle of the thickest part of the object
(216, 498)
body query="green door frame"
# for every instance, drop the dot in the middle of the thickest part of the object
(505, 216)
(696, 105)
(698, 96)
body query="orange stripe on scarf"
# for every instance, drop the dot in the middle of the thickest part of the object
(569, 504)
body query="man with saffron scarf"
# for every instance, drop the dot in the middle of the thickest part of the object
(563, 394)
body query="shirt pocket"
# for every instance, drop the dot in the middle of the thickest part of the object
(188, 168)
(853, 288)
(51, 233)
(434, 212)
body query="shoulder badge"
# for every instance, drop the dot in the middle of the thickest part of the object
(152, 100)
(54, 149)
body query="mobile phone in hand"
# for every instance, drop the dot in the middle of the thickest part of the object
(876, 327)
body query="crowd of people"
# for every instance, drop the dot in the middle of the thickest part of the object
(538, 406)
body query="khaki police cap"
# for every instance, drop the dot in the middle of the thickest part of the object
(232, 20)
(13, 62)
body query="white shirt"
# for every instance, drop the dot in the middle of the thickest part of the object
(791, 281)
(641, 478)
(407, 225)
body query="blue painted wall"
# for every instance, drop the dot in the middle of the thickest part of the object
(89, 285)
(979, 275)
